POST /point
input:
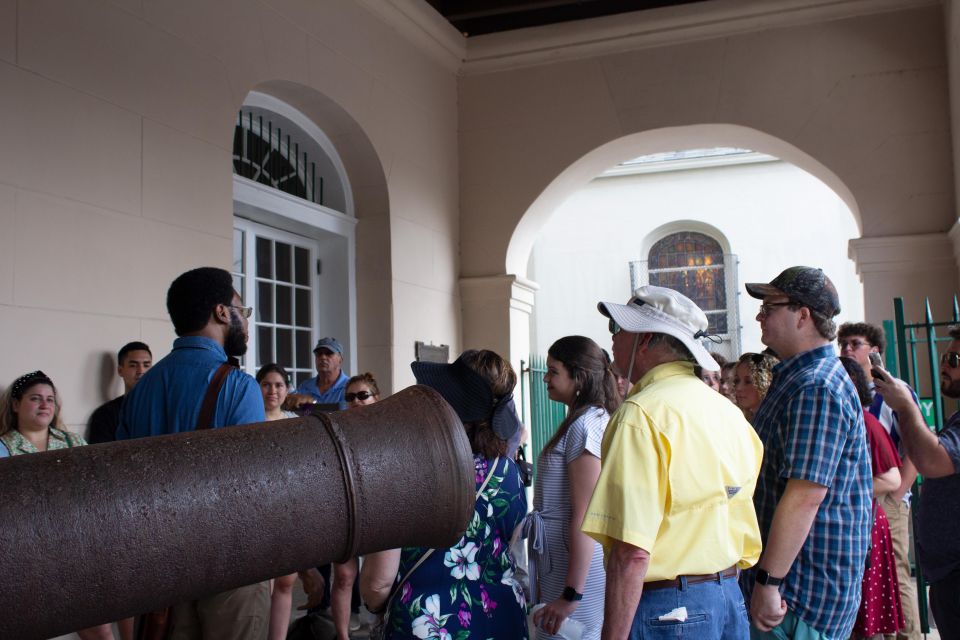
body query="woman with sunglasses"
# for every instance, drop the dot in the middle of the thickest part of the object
(30, 422)
(569, 576)
(751, 381)
(881, 611)
(360, 390)
(273, 380)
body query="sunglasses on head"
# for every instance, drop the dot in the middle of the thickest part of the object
(950, 359)
(359, 395)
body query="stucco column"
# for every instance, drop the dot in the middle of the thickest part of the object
(910, 267)
(496, 315)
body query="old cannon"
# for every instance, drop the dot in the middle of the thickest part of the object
(95, 534)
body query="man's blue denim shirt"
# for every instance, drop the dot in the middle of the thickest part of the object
(168, 397)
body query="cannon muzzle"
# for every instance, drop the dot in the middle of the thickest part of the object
(98, 533)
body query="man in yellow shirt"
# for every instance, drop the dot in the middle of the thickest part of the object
(673, 506)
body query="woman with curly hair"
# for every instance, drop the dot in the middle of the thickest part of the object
(751, 381)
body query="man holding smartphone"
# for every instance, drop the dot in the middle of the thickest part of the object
(864, 342)
(937, 457)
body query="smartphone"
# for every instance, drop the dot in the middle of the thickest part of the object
(876, 370)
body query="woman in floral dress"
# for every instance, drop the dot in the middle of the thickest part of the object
(468, 590)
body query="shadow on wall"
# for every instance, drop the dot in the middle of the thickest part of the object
(107, 372)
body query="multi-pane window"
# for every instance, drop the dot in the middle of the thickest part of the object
(274, 271)
(693, 264)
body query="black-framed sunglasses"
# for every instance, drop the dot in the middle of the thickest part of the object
(950, 359)
(359, 395)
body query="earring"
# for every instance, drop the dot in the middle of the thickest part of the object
(578, 393)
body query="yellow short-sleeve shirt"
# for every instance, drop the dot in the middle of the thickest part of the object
(680, 464)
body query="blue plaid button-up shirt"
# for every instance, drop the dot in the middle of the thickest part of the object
(811, 426)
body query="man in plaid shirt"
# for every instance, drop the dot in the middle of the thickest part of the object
(813, 497)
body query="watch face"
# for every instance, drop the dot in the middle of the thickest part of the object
(765, 578)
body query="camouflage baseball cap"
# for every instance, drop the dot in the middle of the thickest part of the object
(807, 285)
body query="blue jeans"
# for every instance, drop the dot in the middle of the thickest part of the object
(715, 611)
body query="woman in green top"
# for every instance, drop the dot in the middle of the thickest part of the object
(30, 423)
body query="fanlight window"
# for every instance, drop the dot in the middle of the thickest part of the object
(268, 155)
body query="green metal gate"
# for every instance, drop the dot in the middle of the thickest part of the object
(545, 414)
(913, 341)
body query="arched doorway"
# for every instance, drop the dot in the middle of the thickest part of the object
(703, 225)
(295, 228)
(497, 308)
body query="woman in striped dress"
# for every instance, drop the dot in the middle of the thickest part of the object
(567, 573)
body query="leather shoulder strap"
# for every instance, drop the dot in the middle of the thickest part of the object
(205, 420)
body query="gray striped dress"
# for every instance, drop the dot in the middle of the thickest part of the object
(551, 502)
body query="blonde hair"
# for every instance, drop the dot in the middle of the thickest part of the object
(761, 370)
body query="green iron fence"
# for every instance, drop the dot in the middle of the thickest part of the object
(912, 356)
(545, 414)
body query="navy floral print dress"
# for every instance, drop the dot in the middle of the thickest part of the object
(468, 591)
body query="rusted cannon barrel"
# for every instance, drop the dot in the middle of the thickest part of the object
(98, 533)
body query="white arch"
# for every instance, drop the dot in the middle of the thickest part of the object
(654, 141)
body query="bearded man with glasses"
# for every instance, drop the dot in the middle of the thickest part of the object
(937, 458)
(813, 496)
(198, 386)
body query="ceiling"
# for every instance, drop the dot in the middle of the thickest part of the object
(477, 17)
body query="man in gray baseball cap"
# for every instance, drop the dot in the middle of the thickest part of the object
(813, 496)
(678, 460)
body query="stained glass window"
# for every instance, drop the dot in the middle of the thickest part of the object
(692, 263)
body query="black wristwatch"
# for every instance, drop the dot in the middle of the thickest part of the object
(570, 595)
(764, 578)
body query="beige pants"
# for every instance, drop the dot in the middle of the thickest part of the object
(239, 614)
(898, 513)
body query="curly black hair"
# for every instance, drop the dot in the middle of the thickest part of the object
(193, 296)
(871, 332)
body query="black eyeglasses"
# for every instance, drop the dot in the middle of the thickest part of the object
(613, 327)
(359, 395)
(853, 344)
(950, 359)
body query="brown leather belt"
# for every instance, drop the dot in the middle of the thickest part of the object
(706, 577)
